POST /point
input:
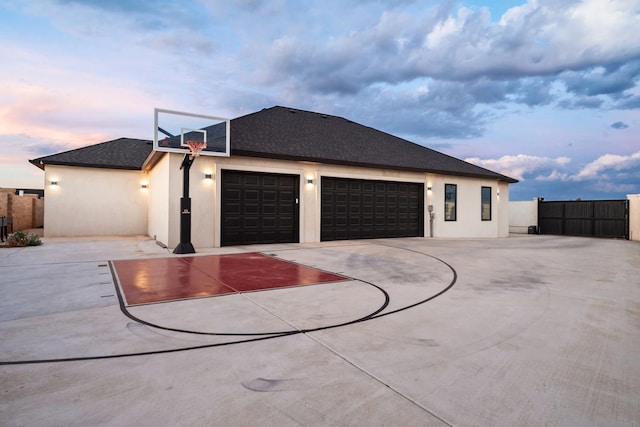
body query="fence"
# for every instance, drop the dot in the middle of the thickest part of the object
(598, 218)
(27, 210)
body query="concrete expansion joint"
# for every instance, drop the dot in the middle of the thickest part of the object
(376, 378)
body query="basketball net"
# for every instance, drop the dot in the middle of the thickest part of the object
(195, 147)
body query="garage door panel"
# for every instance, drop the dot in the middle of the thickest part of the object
(251, 195)
(341, 221)
(250, 181)
(259, 208)
(363, 209)
(250, 209)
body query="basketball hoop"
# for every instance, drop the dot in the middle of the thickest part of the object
(195, 147)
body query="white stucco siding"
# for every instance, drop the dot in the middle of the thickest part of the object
(469, 221)
(522, 215)
(634, 216)
(502, 208)
(203, 202)
(91, 201)
(158, 216)
(206, 197)
(166, 222)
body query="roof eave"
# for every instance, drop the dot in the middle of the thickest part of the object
(496, 176)
(152, 159)
(41, 164)
(37, 163)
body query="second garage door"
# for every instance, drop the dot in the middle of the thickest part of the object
(369, 209)
(259, 208)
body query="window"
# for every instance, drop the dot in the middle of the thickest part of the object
(450, 198)
(486, 204)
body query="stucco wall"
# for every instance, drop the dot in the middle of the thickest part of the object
(206, 197)
(634, 217)
(91, 201)
(522, 215)
(468, 221)
(503, 210)
(158, 215)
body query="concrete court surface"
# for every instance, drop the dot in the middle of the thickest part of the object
(536, 330)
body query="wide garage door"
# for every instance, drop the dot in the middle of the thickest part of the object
(259, 208)
(368, 209)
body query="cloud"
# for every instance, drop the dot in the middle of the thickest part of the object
(352, 56)
(602, 80)
(610, 176)
(619, 125)
(537, 38)
(581, 102)
(468, 67)
(519, 165)
(606, 163)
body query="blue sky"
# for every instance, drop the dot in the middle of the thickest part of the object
(545, 91)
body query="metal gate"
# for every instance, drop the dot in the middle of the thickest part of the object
(593, 218)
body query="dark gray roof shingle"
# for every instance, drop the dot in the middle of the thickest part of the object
(287, 133)
(291, 134)
(121, 153)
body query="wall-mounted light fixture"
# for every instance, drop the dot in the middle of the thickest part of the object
(54, 183)
(208, 176)
(310, 181)
(428, 188)
(144, 186)
(498, 192)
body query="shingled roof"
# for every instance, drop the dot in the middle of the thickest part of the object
(291, 134)
(121, 153)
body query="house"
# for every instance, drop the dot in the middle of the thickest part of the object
(291, 176)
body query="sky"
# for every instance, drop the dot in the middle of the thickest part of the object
(544, 91)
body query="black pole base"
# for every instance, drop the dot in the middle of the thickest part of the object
(184, 248)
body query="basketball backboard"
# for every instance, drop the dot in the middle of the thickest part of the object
(172, 129)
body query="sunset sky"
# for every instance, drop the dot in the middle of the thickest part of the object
(547, 91)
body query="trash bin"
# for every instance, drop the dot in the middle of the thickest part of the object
(533, 229)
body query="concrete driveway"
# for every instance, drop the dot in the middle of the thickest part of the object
(528, 330)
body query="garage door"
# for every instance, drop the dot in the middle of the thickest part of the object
(259, 208)
(368, 209)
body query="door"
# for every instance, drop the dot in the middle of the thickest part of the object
(259, 208)
(369, 209)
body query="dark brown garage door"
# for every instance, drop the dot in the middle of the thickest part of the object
(259, 208)
(368, 209)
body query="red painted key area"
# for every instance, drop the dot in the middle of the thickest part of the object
(146, 281)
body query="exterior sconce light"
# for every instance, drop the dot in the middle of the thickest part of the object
(429, 188)
(208, 176)
(144, 186)
(54, 183)
(310, 181)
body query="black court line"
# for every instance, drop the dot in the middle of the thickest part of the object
(260, 338)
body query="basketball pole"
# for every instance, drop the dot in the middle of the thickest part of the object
(185, 246)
